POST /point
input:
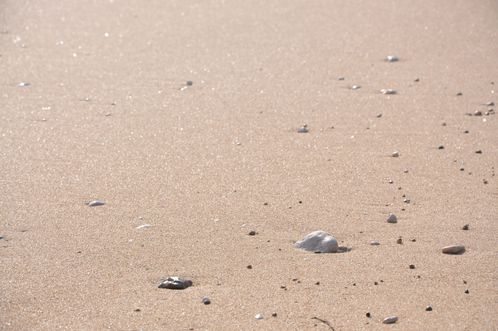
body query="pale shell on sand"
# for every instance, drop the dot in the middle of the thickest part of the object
(318, 242)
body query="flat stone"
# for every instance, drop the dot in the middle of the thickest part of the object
(374, 243)
(395, 154)
(318, 242)
(303, 129)
(392, 58)
(392, 219)
(388, 91)
(143, 226)
(95, 203)
(258, 316)
(355, 87)
(390, 320)
(175, 283)
(454, 249)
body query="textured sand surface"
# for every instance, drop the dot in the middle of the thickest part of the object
(107, 115)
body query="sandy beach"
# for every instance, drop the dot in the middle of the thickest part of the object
(183, 118)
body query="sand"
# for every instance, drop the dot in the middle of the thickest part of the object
(108, 115)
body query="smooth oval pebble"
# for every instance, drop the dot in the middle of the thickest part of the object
(392, 219)
(355, 87)
(258, 317)
(96, 203)
(390, 320)
(175, 283)
(454, 249)
(375, 243)
(395, 154)
(318, 242)
(392, 58)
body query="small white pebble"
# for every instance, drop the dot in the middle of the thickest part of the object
(258, 317)
(392, 58)
(355, 87)
(388, 91)
(390, 320)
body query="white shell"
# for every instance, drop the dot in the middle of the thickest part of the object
(318, 242)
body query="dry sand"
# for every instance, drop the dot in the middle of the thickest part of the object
(106, 116)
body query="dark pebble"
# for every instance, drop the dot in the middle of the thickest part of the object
(368, 315)
(412, 266)
(428, 308)
(252, 233)
(479, 152)
(467, 292)
(440, 147)
(190, 83)
(249, 266)
(206, 301)
(465, 227)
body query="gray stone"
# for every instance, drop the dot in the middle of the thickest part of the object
(95, 203)
(392, 219)
(175, 283)
(390, 320)
(303, 129)
(395, 154)
(454, 249)
(318, 242)
(355, 87)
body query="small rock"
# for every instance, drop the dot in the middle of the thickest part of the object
(252, 233)
(416, 80)
(399, 241)
(258, 316)
(206, 301)
(355, 87)
(390, 320)
(479, 152)
(175, 283)
(467, 291)
(454, 249)
(428, 308)
(375, 243)
(392, 58)
(459, 94)
(23, 84)
(388, 91)
(190, 83)
(478, 113)
(318, 242)
(440, 147)
(143, 226)
(395, 154)
(303, 129)
(490, 104)
(412, 266)
(249, 266)
(274, 314)
(368, 315)
(95, 203)
(379, 115)
(465, 227)
(340, 78)
(392, 219)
